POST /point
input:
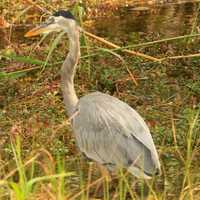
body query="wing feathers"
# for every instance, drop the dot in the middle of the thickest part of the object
(109, 131)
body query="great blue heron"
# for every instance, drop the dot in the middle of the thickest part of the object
(107, 130)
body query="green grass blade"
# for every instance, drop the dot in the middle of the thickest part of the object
(12, 75)
(26, 60)
(45, 178)
(16, 188)
(53, 46)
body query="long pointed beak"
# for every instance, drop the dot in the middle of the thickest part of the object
(38, 30)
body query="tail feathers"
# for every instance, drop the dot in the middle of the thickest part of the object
(139, 173)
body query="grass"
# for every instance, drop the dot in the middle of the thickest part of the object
(38, 155)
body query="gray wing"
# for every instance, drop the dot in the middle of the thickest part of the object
(112, 133)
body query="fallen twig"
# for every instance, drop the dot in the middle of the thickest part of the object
(132, 76)
(161, 41)
(181, 56)
(116, 46)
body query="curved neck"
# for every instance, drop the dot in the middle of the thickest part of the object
(68, 71)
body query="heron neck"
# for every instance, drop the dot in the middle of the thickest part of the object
(68, 71)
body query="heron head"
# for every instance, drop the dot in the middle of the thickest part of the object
(60, 21)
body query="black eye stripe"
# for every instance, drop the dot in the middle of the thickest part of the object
(66, 14)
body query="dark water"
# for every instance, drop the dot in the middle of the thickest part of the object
(165, 20)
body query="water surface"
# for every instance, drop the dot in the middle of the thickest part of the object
(166, 20)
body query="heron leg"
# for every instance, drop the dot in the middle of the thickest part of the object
(105, 173)
(141, 188)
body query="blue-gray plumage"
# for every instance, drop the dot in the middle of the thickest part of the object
(110, 131)
(107, 130)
